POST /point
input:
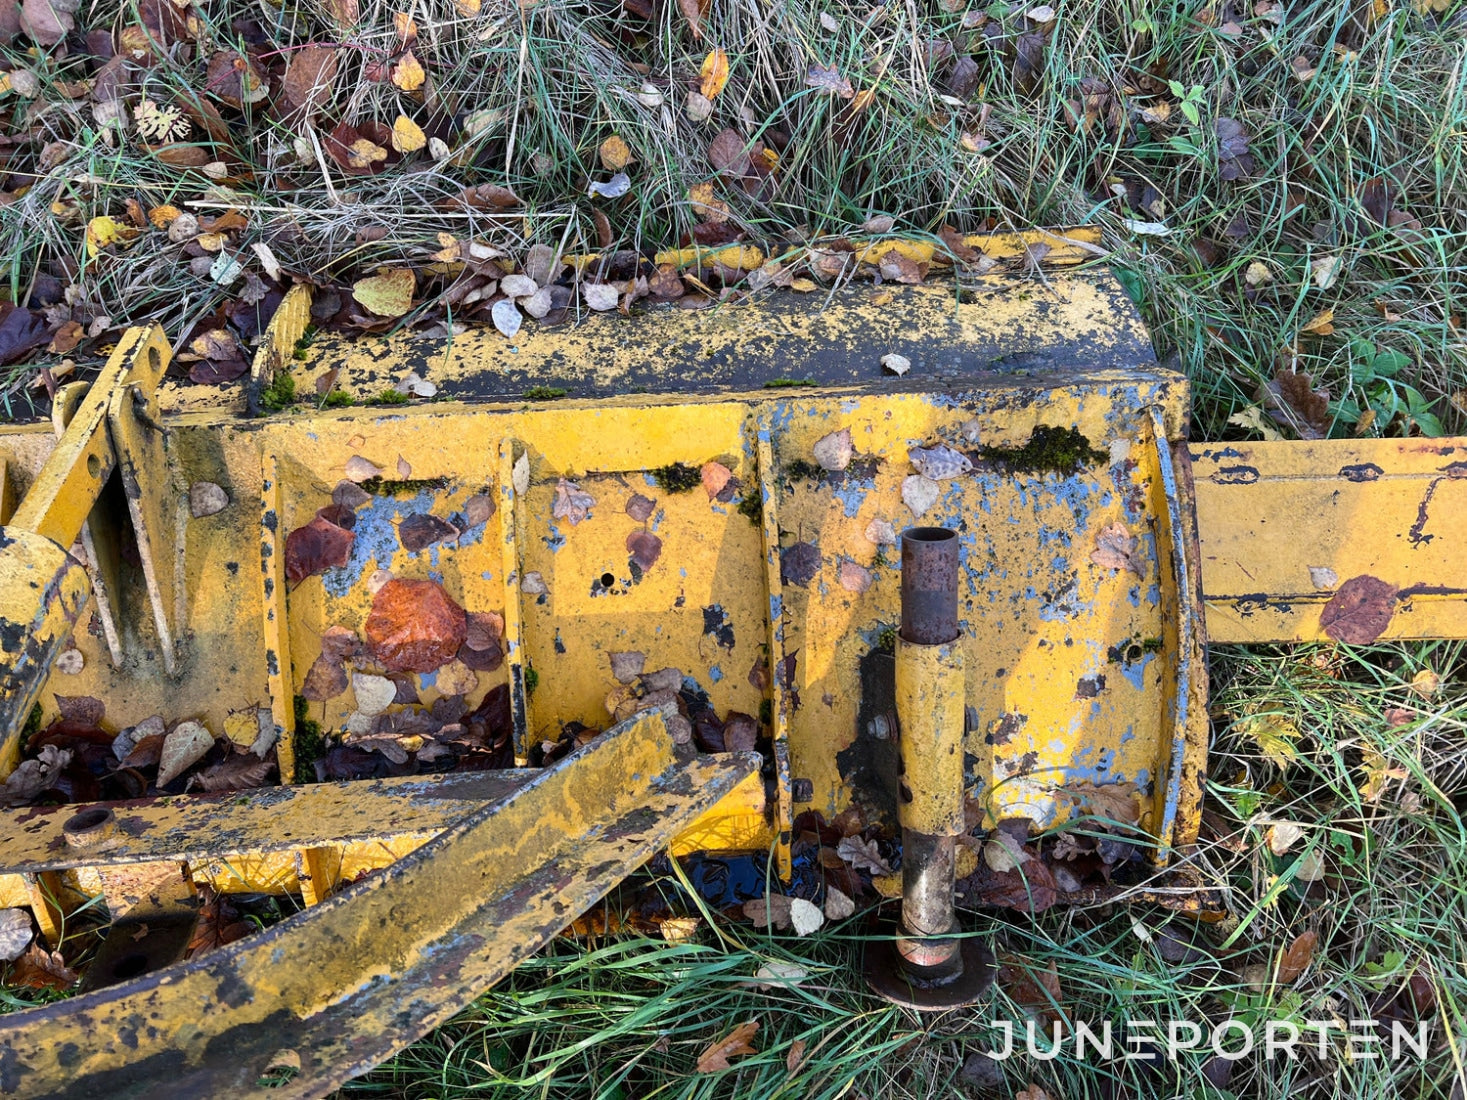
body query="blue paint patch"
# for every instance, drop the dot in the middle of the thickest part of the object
(851, 495)
(715, 674)
(1135, 671)
(375, 539)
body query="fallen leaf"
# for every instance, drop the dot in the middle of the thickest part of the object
(66, 338)
(185, 746)
(408, 73)
(829, 81)
(507, 319)
(834, 451)
(777, 974)
(1359, 611)
(729, 153)
(1321, 324)
(713, 74)
(456, 678)
(881, 532)
(615, 154)
(1234, 160)
(15, 933)
(863, 855)
(628, 665)
(1118, 802)
(644, 548)
(102, 232)
(1251, 417)
(241, 771)
(373, 694)
(1115, 548)
(414, 626)
(1258, 273)
(1295, 958)
(640, 508)
(34, 775)
(614, 188)
(736, 1042)
(407, 137)
(940, 463)
(796, 1056)
(805, 917)
(698, 107)
(1033, 1092)
(518, 286)
(359, 469)
(1324, 271)
(799, 564)
(919, 494)
(600, 296)
(1003, 853)
(47, 22)
(898, 268)
(318, 546)
(310, 74)
(389, 293)
(715, 477)
(1283, 835)
(42, 969)
(1426, 683)
(571, 503)
(1276, 737)
(837, 905)
(770, 910)
(854, 577)
(326, 679)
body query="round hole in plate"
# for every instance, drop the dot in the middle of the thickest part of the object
(607, 580)
(130, 966)
(87, 819)
(94, 465)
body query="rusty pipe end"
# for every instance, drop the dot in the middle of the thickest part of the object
(929, 585)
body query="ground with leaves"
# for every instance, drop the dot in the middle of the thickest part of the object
(1280, 186)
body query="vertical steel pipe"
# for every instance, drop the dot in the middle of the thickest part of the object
(930, 694)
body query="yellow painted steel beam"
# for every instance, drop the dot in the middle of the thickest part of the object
(1347, 540)
(42, 592)
(347, 983)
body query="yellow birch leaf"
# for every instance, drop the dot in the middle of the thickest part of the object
(407, 135)
(615, 154)
(103, 231)
(714, 74)
(389, 293)
(408, 73)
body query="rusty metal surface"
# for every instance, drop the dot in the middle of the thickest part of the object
(348, 982)
(773, 603)
(1284, 527)
(929, 585)
(195, 828)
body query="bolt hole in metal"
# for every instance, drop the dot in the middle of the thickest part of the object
(94, 466)
(130, 966)
(607, 580)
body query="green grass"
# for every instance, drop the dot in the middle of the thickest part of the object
(629, 1017)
